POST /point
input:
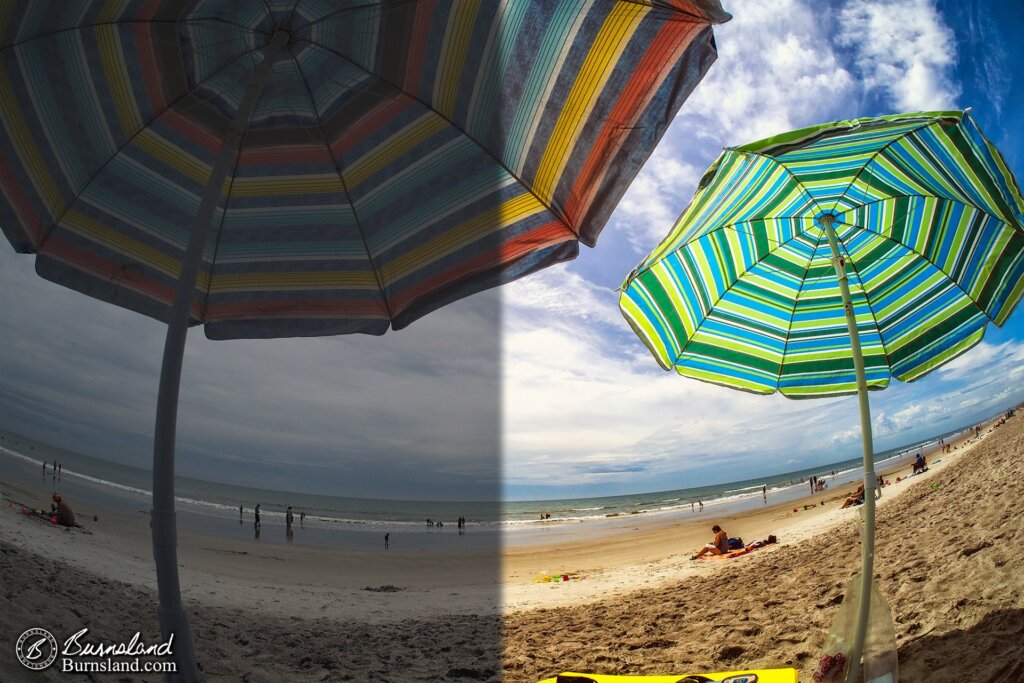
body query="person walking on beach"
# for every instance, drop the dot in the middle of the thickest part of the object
(44, 468)
(387, 539)
(288, 518)
(240, 511)
(257, 512)
(764, 491)
(302, 518)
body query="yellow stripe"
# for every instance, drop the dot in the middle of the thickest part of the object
(278, 186)
(111, 239)
(321, 280)
(401, 142)
(510, 212)
(450, 65)
(173, 156)
(26, 149)
(109, 43)
(597, 68)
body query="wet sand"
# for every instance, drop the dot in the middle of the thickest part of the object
(634, 603)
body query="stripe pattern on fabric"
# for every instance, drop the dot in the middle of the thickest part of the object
(403, 155)
(743, 292)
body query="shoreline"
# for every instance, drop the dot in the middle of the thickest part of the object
(218, 519)
(634, 602)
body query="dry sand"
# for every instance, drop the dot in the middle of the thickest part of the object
(949, 559)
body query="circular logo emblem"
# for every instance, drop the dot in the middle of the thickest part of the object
(36, 649)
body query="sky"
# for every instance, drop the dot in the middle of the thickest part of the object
(539, 389)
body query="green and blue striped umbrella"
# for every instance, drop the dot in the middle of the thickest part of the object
(285, 168)
(828, 260)
(742, 292)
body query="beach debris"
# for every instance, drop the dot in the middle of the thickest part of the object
(544, 577)
(388, 588)
(830, 668)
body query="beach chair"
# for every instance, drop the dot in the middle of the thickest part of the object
(739, 676)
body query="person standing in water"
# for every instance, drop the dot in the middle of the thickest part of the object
(387, 540)
(257, 511)
(288, 517)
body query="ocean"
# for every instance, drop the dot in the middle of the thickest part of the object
(127, 489)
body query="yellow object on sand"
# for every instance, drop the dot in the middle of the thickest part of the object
(738, 676)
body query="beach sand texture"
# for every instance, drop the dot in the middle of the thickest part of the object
(949, 559)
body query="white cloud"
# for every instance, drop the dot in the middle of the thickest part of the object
(776, 71)
(904, 48)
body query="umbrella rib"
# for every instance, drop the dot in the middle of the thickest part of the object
(867, 300)
(344, 188)
(796, 301)
(874, 156)
(512, 174)
(728, 289)
(122, 147)
(223, 217)
(919, 254)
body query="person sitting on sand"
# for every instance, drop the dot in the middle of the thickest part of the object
(856, 499)
(719, 546)
(61, 509)
(920, 465)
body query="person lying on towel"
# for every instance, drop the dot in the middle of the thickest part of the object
(719, 546)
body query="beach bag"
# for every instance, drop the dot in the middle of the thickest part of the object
(736, 543)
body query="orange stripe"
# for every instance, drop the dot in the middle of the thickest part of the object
(544, 236)
(673, 39)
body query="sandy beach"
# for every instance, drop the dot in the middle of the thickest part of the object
(950, 551)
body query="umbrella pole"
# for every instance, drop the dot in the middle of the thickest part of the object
(173, 619)
(867, 551)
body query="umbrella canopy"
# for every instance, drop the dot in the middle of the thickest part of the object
(743, 292)
(401, 155)
(300, 168)
(827, 260)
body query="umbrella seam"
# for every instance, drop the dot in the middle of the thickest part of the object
(792, 314)
(922, 256)
(344, 188)
(728, 289)
(561, 219)
(119, 150)
(874, 156)
(220, 227)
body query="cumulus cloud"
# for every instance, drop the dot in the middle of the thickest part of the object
(903, 48)
(776, 71)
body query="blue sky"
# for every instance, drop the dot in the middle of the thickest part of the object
(540, 389)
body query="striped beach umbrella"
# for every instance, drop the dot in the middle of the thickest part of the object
(306, 167)
(828, 260)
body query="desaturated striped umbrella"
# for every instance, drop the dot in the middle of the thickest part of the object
(825, 261)
(304, 167)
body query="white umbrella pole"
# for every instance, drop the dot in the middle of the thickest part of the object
(173, 619)
(867, 550)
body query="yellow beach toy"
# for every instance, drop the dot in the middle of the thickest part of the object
(741, 676)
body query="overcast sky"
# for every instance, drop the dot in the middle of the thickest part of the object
(541, 389)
